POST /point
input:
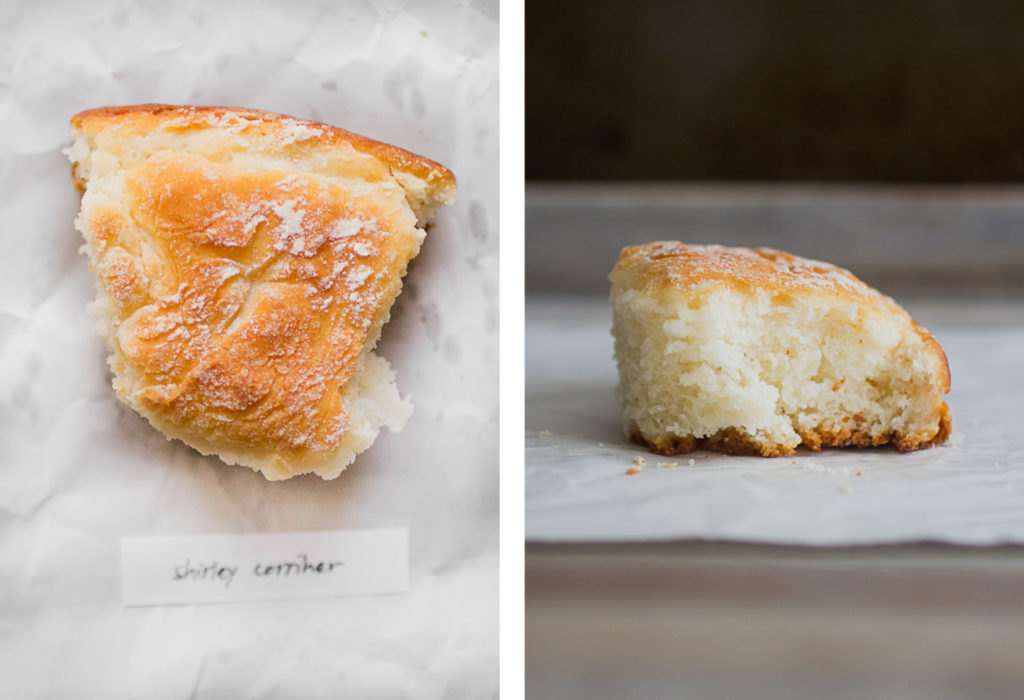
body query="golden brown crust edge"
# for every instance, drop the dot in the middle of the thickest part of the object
(937, 350)
(662, 266)
(736, 442)
(398, 158)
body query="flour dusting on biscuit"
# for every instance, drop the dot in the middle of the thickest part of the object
(245, 263)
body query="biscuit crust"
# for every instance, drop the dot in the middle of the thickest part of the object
(144, 118)
(246, 262)
(736, 442)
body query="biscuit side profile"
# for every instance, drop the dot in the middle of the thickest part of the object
(245, 263)
(758, 351)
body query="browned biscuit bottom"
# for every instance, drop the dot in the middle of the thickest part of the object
(736, 442)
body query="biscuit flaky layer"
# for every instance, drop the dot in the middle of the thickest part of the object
(758, 351)
(245, 264)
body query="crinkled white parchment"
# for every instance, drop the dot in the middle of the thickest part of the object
(968, 491)
(79, 470)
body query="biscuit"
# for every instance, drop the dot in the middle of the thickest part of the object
(759, 351)
(245, 263)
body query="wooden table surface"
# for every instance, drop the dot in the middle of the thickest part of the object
(718, 619)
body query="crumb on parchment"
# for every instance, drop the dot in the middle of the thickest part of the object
(638, 464)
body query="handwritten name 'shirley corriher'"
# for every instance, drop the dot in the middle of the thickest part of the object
(215, 571)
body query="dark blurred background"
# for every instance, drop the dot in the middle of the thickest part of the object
(872, 91)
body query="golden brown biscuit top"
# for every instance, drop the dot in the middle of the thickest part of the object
(669, 264)
(298, 136)
(250, 260)
(247, 287)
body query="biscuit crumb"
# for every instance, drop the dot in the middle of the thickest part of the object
(639, 461)
(667, 465)
(631, 471)
(423, 32)
(544, 433)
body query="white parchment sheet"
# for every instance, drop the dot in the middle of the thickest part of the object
(79, 470)
(968, 491)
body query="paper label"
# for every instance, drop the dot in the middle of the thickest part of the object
(168, 570)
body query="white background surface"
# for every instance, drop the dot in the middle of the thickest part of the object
(968, 491)
(80, 470)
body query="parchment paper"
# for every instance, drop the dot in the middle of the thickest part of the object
(79, 470)
(969, 491)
